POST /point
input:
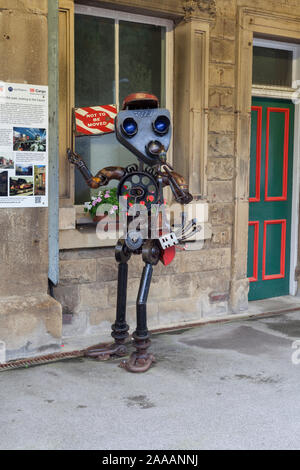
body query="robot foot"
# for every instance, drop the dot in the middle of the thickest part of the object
(103, 352)
(140, 360)
(138, 363)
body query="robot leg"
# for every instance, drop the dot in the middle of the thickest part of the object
(141, 359)
(120, 327)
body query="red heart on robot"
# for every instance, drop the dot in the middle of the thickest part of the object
(168, 255)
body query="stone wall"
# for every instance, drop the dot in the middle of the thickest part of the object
(198, 284)
(193, 286)
(29, 318)
(221, 165)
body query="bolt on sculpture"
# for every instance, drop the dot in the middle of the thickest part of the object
(145, 129)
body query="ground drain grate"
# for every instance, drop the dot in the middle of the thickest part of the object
(35, 361)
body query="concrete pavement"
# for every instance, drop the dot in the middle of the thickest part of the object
(222, 386)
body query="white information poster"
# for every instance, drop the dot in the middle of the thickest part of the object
(23, 145)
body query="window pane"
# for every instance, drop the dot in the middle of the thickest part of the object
(99, 152)
(272, 66)
(95, 83)
(94, 60)
(142, 60)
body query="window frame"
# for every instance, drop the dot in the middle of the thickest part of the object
(284, 46)
(118, 16)
(70, 236)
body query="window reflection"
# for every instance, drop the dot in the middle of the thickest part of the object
(272, 66)
(141, 68)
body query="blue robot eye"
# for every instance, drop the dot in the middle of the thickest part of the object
(161, 125)
(129, 127)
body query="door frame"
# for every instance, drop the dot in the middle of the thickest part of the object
(274, 25)
(287, 93)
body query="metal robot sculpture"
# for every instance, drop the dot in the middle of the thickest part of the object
(144, 129)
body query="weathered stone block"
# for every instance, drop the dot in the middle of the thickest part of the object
(77, 271)
(220, 145)
(239, 295)
(29, 6)
(160, 288)
(180, 286)
(223, 27)
(222, 50)
(179, 312)
(161, 270)
(79, 324)
(220, 168)
(24, 254)
(221, 123)
(229, 27)
(27, 44)
(67, 218)
(220, 191)
(216, 297)
(205, 260)
(93, 295)
(30, 325)
(88, 253)
(212, 310)
(100, 315)
(220, 214)
(68, 297)
(227, 7)
(67, 318)
(221, 98)
(107, 269)
(221, 75)
(221, 236)
(218, 279)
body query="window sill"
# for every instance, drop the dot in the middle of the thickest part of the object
(77, 230)
(84, 236)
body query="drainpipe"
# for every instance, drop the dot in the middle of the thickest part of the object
(53, 183)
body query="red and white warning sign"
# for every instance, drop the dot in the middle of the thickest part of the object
(95, 119)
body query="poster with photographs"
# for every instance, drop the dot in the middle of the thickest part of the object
(23, 145)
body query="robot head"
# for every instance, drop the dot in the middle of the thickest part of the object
(144, 128)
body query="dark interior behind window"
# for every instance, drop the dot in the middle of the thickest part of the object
(272, 66)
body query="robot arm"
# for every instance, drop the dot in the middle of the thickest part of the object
(177, 184)
(103, 176)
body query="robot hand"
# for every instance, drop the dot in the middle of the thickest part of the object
(103, 176)
(177, 184)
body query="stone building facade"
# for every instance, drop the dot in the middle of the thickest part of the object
(210, 73)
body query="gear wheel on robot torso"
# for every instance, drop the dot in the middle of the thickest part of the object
(139, 187)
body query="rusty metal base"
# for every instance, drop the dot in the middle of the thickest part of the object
(140, 360)
(103, 352)
(138, 363)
